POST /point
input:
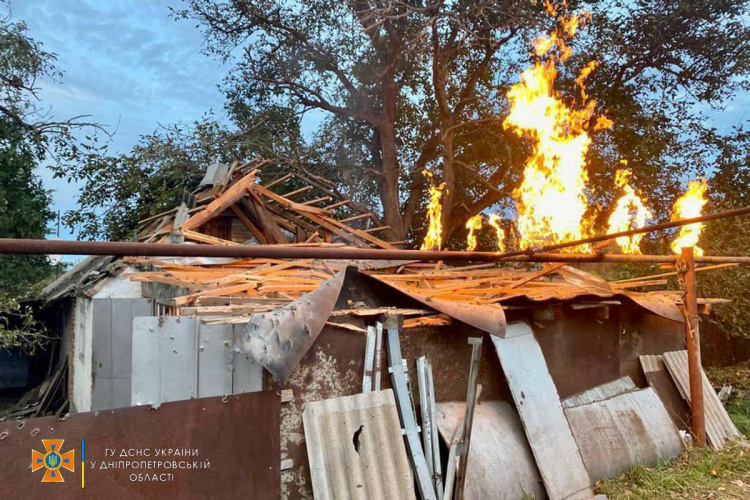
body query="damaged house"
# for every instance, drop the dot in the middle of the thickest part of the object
(396, 379)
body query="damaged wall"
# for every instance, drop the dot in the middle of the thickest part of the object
(583, 348)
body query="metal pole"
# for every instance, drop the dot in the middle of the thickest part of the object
(692, 338)
(21, 246)
(471, 401)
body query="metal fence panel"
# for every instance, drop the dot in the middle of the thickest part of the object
(237, 437)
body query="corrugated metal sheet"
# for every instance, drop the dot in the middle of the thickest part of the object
(654, 302)
(615, 433)
(356, 449)
(487, 317)
(661, 381)
(600, 392)
(719, 427)
(498, 444)
(547, 430)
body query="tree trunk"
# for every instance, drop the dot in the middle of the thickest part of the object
(389, 186)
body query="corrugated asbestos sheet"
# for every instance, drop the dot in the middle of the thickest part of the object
(538, 403)
(500, 465)
(661, 381)
(627, 429)
(356, 449)
(600, 392)
(719, 427)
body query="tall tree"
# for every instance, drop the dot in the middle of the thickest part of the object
(427, 82)
(28, 137)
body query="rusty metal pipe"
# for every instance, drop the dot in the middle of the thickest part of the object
(686, 267)
(20, 246)
(630, 232)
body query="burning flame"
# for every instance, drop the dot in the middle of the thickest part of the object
(630, 212)
(499, 232)
(687, 206)
(473, 224)
(552, 201)
(433, 239)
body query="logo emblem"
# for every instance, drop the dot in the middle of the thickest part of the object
(53, 460)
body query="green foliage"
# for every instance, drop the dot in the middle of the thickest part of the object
(118, 191)
(662, 65)
(19, 329)
(27, 138)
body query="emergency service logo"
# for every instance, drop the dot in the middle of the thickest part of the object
(53, 460)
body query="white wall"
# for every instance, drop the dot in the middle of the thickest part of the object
(82, 378)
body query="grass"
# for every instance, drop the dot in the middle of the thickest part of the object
(697, 473)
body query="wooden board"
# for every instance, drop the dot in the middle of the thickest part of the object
(538, 404)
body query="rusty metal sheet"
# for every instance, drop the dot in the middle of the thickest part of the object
(719, 427)
(237, 436)
(488, 317)
(600, 392)
(616, 433)
(279, 339)
(355, 448)
(658, 304)
(500, 462)
(659, 379)
(538, 403)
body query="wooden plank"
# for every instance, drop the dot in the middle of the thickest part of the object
(216, 207)
(369, 359)
(250, 225)
(531, 277)
(298, 191)
(339, 204)
(269, 226)
(555, 450)
(204, 238)
(279, 180)
(365, 236)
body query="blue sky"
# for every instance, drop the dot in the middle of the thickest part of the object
(126, 63)
(130, 66)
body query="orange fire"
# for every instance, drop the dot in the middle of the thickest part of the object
(433, 239)
(499, 232)
(630, 212)
(552, 201)
(473, 224)
(687, 206)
